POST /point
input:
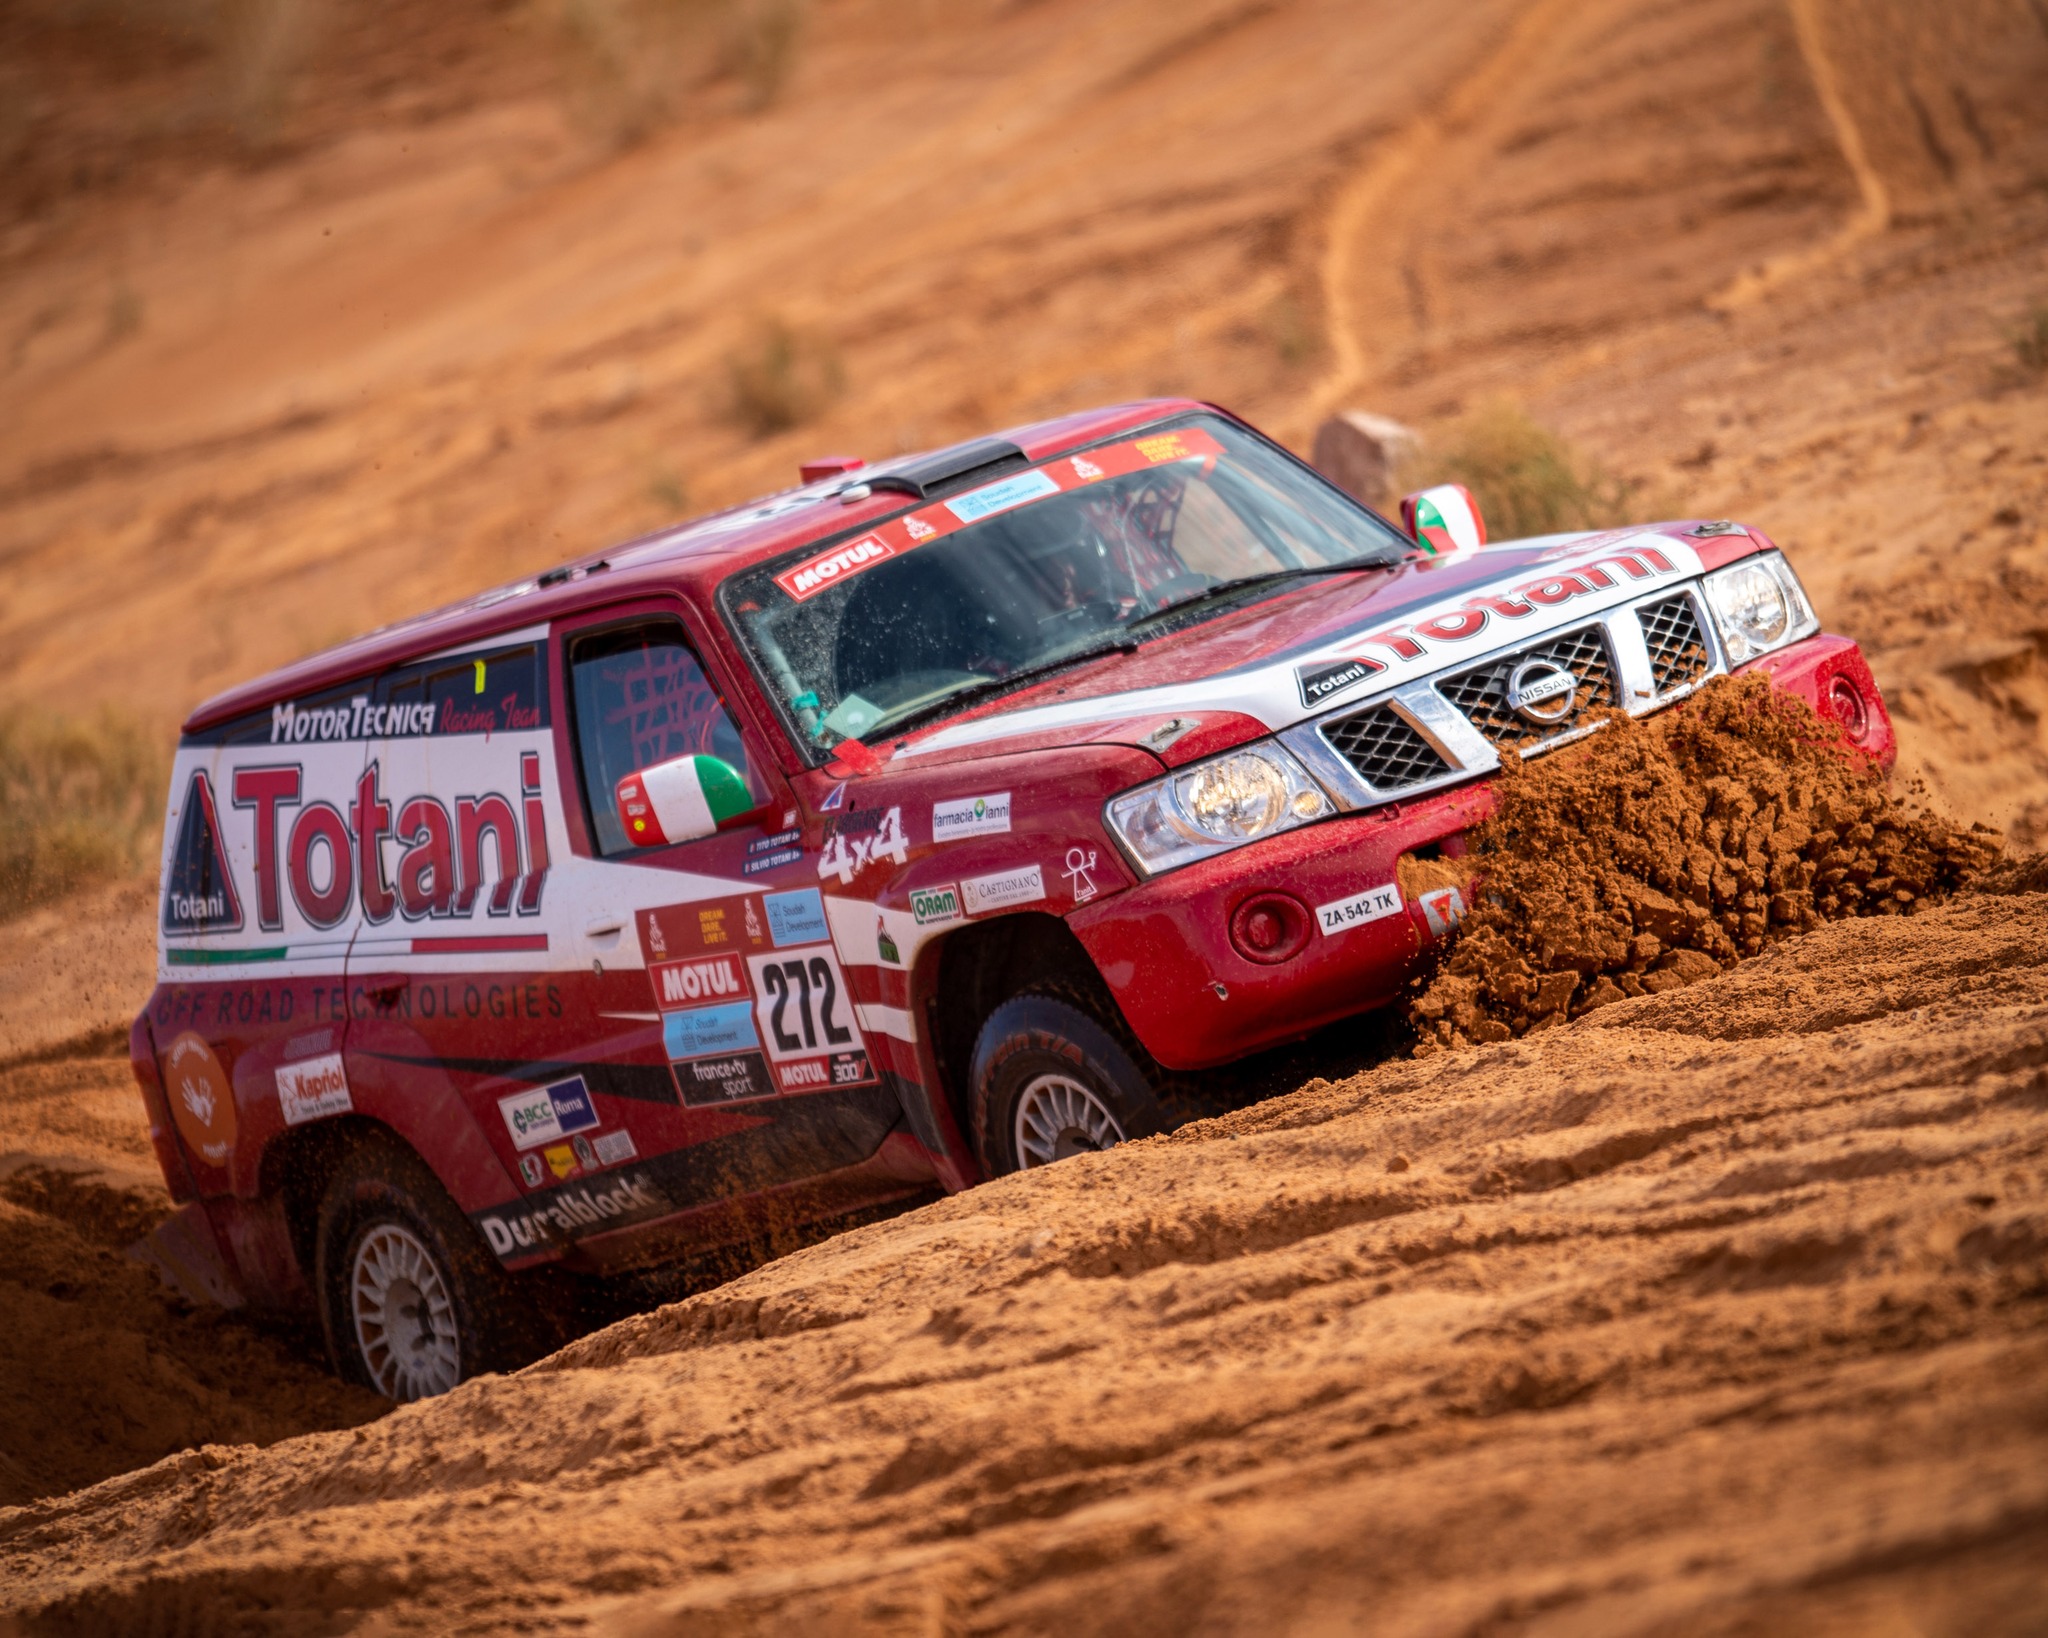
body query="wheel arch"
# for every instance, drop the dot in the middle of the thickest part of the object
(300, 1163)
(984, 964)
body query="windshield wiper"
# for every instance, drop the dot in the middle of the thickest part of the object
(1224, 588)
(993, 685)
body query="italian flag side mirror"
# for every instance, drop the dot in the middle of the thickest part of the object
(1444, 519)
(682, 800)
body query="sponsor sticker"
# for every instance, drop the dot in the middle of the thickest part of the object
(796, 918)
(613, 1147)
(1375, 903)
(704, 1031)
(201, 1101)
(771, 861)
(724, 1080)
(934, 906)
(971, 816)
(531, 1171)
(199, 889)
(885, 946)
(1443, 909)
(1000, 496)
(548, 1114)
(313, 1089)
(561, 1159)
(586, 1156)
(562, 1214)
(997, 892)
(1333, 677)
(825, 570)
(1080, 873)
(691, 983)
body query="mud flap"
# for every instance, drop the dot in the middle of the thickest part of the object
(183, 1252)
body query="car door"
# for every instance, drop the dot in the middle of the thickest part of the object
(710, 1014)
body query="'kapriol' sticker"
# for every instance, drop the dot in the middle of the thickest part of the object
(313, 1089)
(202, 1102)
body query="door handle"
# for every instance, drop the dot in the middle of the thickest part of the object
(603, 925)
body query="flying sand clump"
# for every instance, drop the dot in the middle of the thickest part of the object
(1661, 851)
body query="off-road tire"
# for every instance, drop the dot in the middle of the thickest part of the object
(1033, 1037)
(383, 1190)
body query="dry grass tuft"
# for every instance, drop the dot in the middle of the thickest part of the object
(81, 801)
(1527, 479)
(782, 378)
(2029, 340)
(644, 63)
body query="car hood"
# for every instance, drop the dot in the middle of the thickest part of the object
(1329, 642)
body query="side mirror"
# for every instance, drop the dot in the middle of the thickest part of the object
(1443, 519)
(682, 800)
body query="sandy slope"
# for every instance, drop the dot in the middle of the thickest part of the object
(1720, 1310)
(1715, 1311)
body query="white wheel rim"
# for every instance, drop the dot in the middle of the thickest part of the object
(1058, 1117)
(404, 1315)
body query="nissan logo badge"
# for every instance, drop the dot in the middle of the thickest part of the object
(1542, 691)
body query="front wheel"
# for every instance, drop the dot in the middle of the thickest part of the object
(411, 1300)
(1048, 1081)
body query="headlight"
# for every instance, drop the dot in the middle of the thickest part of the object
(1214, 806)
(1758, 606)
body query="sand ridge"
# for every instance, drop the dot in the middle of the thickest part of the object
(1701, 1305)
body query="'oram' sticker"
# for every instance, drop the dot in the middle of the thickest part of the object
(202, 1102)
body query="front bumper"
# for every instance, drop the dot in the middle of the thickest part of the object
(1164, 946)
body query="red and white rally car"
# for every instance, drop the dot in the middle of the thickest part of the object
(916, 825)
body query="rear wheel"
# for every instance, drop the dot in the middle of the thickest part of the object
(1048, 1080)
(411, 1298)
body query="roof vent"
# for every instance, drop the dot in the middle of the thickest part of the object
(829, 466)
(957, 468)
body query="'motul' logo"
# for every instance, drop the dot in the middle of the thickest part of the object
(1542, 691)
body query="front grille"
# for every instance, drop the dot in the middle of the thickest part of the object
(1387, 752)
(1678, 653)
(1482, 693)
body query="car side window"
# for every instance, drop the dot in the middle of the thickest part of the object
(640, 697)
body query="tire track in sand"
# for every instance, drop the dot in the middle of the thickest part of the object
(1373, 284)
(1871, 219)
(1420, 151)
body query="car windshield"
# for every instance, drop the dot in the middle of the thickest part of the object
(1096, 549)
